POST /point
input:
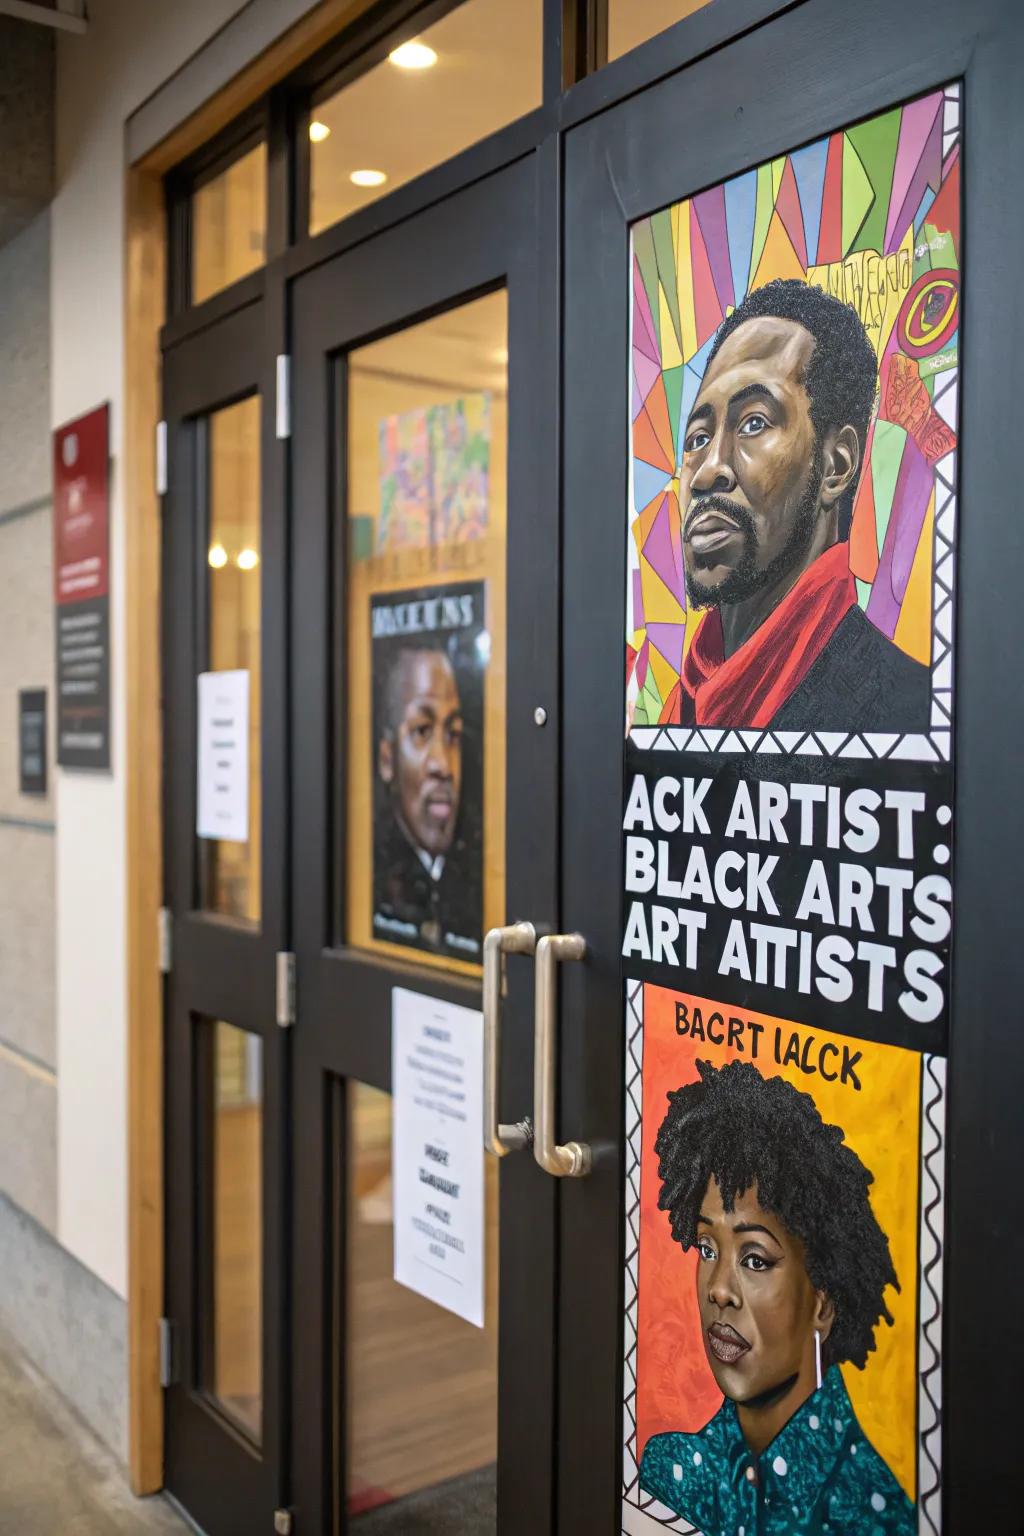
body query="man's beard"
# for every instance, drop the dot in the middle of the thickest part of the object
(745, 579)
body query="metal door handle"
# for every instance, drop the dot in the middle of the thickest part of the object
(517, 939)
(573, 1160)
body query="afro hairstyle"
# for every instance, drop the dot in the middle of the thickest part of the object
(842, 375)
(742, 1130)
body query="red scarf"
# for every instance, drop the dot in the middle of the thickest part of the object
(751, 686)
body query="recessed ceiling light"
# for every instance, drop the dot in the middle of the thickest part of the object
(218, 556)
(318, 131)
(413, 56)
(247, 560)
(368, 178)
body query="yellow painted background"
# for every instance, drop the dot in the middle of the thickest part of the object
(881, 1123)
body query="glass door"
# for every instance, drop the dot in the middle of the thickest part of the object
(224, 568)
(765, 1320)
(425, 759)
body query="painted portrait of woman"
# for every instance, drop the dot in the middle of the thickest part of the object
(791, 1276)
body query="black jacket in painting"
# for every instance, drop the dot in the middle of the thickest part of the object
(861, 681)
(411, 907)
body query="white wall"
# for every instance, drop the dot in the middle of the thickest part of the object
(131, 48)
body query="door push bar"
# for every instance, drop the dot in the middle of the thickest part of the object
(517, 939)
(573, 1160)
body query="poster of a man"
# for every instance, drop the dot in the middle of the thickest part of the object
(795, 337)
(773, 450)
(428, 657)
(791, 1277)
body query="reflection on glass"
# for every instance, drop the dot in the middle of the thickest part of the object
(234, 1358)
(468, 75)
(422, 1383)
(231, 871)
(632, 22)
(427, 414)
(229, 224)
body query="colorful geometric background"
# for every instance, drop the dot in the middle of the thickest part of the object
(435, 475)
(871, 215)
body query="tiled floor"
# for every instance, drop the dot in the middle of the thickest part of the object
(56, 1479)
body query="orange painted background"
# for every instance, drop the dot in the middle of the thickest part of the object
(675, 1387)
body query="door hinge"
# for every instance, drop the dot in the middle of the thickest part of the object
(284, 399)
(163, 940)
(285, 988)
(283, 1522)
(168, 1353)
(161, 458)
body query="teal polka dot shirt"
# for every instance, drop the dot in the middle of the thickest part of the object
(820, 1476)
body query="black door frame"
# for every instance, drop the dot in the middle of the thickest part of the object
(221, 969)
(764, 94)
(732, 53)
(485, 237)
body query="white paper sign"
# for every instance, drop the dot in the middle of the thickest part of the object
(222, 804)
(437, 1157)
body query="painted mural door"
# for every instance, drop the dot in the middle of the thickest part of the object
(769, 302)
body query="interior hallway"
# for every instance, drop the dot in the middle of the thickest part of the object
(56, 1479)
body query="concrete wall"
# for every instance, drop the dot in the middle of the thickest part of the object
(26, 123)
(129, 50)
(28, 1050)
(63, 1169)
(63, 1034)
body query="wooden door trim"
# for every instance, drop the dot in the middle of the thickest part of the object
(144, 315)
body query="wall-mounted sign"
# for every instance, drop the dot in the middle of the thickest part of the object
(437, 1151)
(32, 741)
(81, 521)
(222, 776)
(788, 834)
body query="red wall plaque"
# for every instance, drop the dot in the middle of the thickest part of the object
(81, 456)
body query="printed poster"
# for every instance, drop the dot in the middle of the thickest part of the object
(788, 835)
(437, 1161)
(435, 475)
(429, 653)
(222, 756)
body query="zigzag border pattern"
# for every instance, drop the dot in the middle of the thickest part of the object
(933, 1175)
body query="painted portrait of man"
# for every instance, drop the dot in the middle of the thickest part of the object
(795, 334)
(773, 449)
(791, 1278)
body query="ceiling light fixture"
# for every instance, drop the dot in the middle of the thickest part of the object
(318, 131)
(368, 178)
(413, 56)
(247, 560)
(218, 556)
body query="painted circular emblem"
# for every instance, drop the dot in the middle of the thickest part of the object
(930, 313)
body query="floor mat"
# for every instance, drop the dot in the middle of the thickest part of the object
(465, 1506)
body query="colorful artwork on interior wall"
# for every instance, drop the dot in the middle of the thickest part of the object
(794, 385)
(429, 655)
(788, 836)
(784, 1231)
(435, 475)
